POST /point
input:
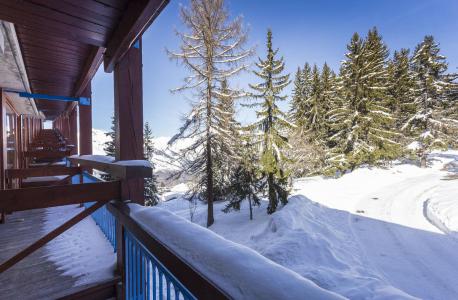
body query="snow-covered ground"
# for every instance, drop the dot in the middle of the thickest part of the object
(372, 234)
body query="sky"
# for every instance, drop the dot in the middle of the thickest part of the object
(304, 31)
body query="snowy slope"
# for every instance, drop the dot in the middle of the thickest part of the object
(366, 235)
(222, 260)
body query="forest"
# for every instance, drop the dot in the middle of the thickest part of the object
(380, 106)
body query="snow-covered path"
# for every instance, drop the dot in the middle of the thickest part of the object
(410, 252)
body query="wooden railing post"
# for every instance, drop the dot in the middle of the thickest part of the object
(2, 148)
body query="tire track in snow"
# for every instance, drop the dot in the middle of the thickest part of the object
(397, 251)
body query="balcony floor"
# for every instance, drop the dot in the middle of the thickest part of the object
(71, 262)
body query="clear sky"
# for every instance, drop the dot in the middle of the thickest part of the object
(311, 31)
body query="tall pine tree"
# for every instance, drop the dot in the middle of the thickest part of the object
(363, 122)
(151, 193)
(429, 126)
(269, 131)
(110, 146)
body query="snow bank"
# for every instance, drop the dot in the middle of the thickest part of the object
(442, 207)
(238, 270)
(135, 163)
(82, 251)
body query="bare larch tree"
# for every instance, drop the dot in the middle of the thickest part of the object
(212, 49)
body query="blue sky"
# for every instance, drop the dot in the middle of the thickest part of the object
(305, 31)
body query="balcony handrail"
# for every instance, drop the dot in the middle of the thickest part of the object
(198, 285)
(123, 170)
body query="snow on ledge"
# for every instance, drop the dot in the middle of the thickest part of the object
(110, 159)
(135, 163)
(98, 158)
(238, 270)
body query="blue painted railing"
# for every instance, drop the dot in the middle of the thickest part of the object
(146, 277)
(102, 217)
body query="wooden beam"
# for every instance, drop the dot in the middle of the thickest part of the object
(124, 172)
(138, 16)
(90, 68)
(128, 85)
(103, 290)
(53, 154)
(85, 123)
(49, 196)
(50, 236)
(2, 147)
(42, 171)
(73, 122)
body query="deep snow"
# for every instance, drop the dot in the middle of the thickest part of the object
(366, 235)
(239, 271)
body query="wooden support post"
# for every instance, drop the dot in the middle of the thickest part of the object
(2, 147)
(129, 115)
(128, 93)
(85, 121)
(74, 130)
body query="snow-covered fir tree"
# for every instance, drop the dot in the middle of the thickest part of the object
(362, 123)
(227, 145)
(269, 131)
(245, 183)
(212, 49)
(429, 125)
(151, 193)
(308, 139)
(401, 87)
(110, 145)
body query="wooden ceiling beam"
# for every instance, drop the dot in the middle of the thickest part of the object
(90, 68)
(136, 19)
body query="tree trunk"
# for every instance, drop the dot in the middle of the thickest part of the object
(210, 219)
(423, 160)
(272, 196)
(251, 208)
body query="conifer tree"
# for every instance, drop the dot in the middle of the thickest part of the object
(301, 91)
(151, 193)
(228, 145)
(429, 125)
(110, 146)
(245, 183)
(212, 49)
(401, 88)
(362, 122)
(308, 139)
(269, 131)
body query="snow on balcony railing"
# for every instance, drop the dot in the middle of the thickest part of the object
(238, 271)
